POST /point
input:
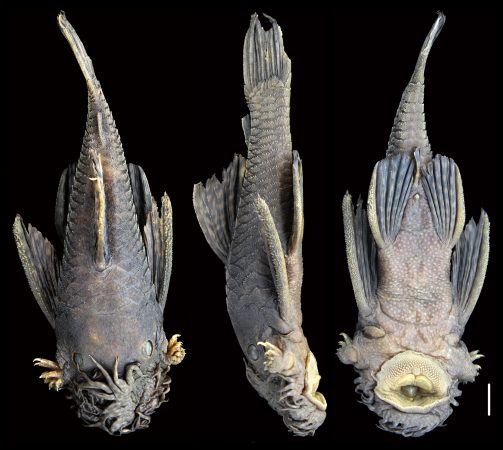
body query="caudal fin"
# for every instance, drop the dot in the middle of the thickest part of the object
(264, 56)
(79, 50)
(409, 128)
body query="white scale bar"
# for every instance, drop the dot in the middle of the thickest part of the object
(488, 399)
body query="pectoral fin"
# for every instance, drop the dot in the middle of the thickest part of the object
(40, 264)
(469, 265)
(361, 254)
(216, 206)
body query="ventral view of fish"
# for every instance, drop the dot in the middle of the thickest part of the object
(105, 297)
(417, 272)
(253, 220)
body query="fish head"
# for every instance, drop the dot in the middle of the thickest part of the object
(116, 387)
(289, 380)
(412, 391)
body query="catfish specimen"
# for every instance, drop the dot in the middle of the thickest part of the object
(106, 296)
(253, 220)
(416, 275)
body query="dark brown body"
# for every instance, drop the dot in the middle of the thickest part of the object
(106, 297)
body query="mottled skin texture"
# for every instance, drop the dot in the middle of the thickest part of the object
(414, 282)
(107, 299)
(416, 276)
(255, 225)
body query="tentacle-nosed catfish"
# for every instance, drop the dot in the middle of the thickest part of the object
(254, 221)
(416, 275)
(106, 296)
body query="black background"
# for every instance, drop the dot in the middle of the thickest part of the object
(173, 79)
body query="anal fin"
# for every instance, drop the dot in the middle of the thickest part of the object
(216, 205)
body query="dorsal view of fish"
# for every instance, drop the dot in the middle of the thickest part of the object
(253, 220)
(417, 272)
(106, 296)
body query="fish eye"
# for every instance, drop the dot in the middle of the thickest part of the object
(148, 347)
(252, 352)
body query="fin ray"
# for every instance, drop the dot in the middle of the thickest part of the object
(63, 200)
(390, 189)
(469, 265)
(277, 262)
(216, 206)
(442, 186)
(295, 244)
(361, 254)
(264, 55)
(40, 264)
(157, 231)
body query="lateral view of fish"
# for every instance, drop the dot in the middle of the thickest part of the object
(416, 275)
(105, 298)
(253, 220)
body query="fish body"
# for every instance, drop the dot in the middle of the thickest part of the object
(253, 220)
(416, 274)
(105, 297)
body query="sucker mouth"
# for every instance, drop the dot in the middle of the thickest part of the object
(413, 382)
